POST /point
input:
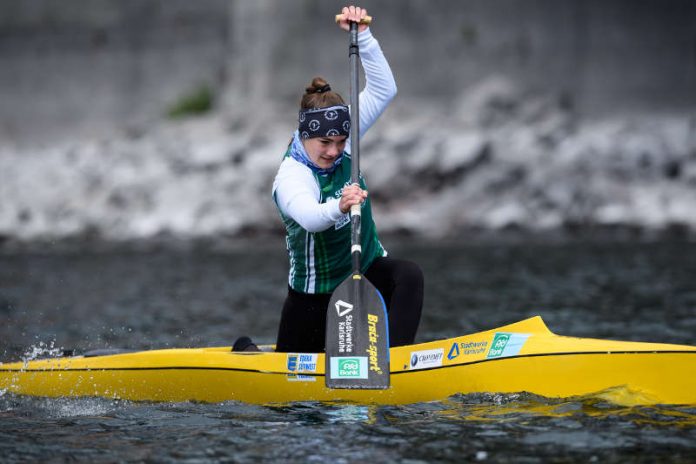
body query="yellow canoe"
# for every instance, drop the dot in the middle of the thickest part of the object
(524, 356)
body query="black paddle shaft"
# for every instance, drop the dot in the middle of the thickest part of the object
(355, 219)
(357, 334)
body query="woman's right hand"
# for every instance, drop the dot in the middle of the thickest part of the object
(352, 195)
(352, 14)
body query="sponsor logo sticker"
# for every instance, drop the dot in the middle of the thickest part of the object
(373, 350)
(301, 378)
(454, 351)
(506, 344)
(427, 358)
(343, 308)
(349, 367)
(467, 349)
(302, 362)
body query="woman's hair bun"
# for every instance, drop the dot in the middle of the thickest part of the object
(320, 95)
(318, 85)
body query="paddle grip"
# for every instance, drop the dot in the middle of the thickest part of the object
(366, 20)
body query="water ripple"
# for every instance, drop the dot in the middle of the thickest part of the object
(160, 299)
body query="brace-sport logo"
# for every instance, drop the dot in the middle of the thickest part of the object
(373, 350)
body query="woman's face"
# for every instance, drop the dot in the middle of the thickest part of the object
(323, 151)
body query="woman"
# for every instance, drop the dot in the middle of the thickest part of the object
(313, 193)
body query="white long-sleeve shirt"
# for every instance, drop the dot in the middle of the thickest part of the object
(295, 188)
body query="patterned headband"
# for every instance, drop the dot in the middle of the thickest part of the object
(324, 122)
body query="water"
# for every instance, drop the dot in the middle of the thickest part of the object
(174, 297)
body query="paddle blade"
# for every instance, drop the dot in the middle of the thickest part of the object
(357, 337)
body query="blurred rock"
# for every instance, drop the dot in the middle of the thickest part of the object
(503, 160)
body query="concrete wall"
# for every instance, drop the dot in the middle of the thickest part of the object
(83, 67)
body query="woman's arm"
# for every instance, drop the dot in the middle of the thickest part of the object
(295, 190)
(380, 86)
(297, 195)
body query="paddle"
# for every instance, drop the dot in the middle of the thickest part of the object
(357, 336)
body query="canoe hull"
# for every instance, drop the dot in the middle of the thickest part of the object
(544, 364)
(653, 379)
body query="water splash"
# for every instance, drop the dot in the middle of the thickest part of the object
(60, 408)
(42, 350)
(69, 407)
(346, 414)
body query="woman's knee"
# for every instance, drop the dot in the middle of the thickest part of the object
(410, 274)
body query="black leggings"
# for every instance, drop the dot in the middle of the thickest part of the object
(303, 321)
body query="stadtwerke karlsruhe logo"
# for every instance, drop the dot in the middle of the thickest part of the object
(454, 351)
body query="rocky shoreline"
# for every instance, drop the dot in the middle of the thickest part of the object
(496, 160)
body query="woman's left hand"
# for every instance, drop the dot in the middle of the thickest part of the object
(351, 195)
(352, 14)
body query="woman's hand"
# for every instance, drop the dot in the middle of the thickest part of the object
(352, 14)
(352, 195)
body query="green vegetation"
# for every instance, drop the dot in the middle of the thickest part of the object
(197, 102)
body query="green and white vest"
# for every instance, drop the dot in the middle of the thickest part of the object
(320, 261)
